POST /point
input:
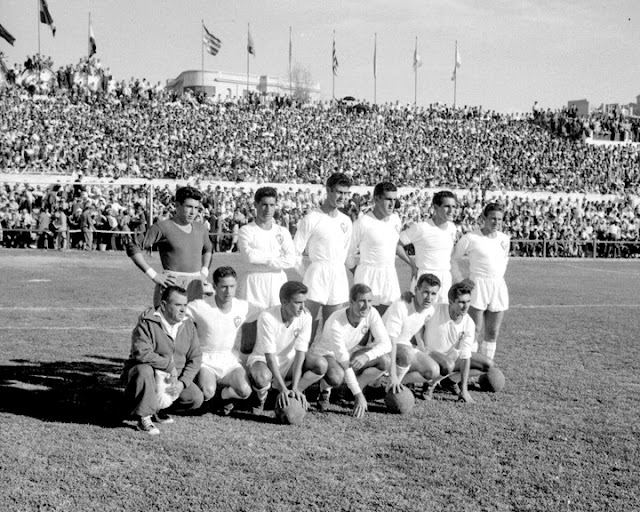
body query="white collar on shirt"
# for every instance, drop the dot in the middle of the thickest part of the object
(171, 330)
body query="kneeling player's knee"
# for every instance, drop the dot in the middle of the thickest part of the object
(334, 376)
(384, 362)
(316, 364)
(404, 356)
(487, 365)
(209, 390)
(244, 391)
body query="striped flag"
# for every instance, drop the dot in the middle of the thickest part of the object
(457, 65)
(211, 42)
(335, 59)
(92, 41)
(4, 34)
(250, 46)
(45, 16)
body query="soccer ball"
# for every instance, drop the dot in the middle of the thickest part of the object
(163, 381)
(400, 403)
(293, 414)
(492, 381)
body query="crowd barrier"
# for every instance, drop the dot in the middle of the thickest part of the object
(544, 248)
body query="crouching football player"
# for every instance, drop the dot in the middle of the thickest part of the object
(280, 353)
(449, 337)
(403, 320)
(218, 322)
(348, 360)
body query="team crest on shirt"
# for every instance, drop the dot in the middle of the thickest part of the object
(344, 227)
(279, 238)
(296, 333)
(397, 228)
(503, 244)
(237, 321)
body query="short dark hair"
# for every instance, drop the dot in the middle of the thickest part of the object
(430, 279)
(339, 179)
(385, 186)
(462, 288)
(184, 193)
(357, 290)
(265, 192)
(222, 272)
(492, 207)
(291, 288)
(166, 293)
(439, 197)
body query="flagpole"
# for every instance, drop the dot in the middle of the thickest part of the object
(415, 74)
(89, 38)
(202, 55)
(455, 74)
(88, 52)
(248, 32)
(38, 18)
(290, 93)
(375, 74)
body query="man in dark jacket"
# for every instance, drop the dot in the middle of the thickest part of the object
(163, 343)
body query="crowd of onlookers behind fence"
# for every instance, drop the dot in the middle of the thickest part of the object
(133, 129)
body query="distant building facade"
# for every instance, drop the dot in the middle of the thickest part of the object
(627, 109)
(581, 107)
(223, 85)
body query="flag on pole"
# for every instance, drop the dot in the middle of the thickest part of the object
(335, 59)
(4, 34)
(375, 48)
(45, 16)
(250, 46)
(211, 42)
(457, 65)
(417, 60)
(93, 48)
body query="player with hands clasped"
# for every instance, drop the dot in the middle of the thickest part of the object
(280, 353)
(348, 360)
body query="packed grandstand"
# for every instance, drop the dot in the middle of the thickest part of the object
(561, 194)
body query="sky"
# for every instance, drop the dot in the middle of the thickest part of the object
(512, 52)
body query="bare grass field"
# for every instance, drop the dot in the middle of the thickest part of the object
(562, 436)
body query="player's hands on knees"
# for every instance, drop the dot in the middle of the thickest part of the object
(358, 362)
(359, 406)
(465, 396)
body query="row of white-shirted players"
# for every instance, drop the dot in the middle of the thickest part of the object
(368, 330)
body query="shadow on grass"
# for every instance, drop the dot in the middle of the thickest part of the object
(64, 391)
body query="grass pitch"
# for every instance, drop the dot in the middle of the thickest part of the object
(562, 436)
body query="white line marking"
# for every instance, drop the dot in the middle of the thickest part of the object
(558, 306)
(590, 269)
(64, 328)
(69, 308)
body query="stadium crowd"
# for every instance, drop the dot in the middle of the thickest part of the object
(131, 128)
(100, 215)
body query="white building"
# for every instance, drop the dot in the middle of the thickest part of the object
(223, 85)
